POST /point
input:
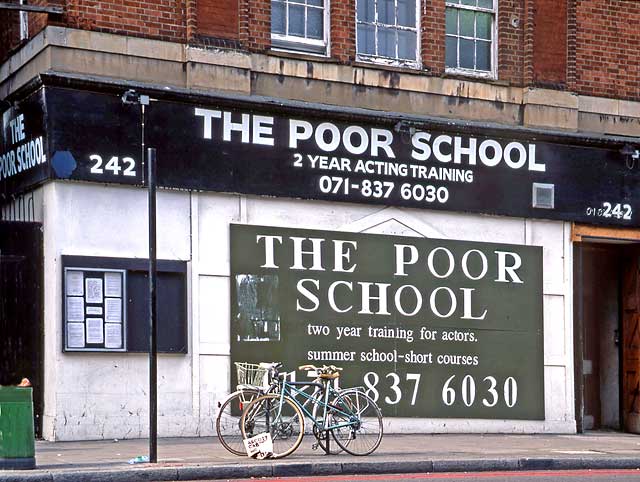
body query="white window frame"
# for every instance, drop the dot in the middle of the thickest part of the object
(24, 23)
(293, 43)
(378, 59)
(487, 74)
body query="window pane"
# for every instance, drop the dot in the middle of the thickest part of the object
(452, 21)
(277, 17)
(469, 2)
(466, 53)
(466, 23)
(451, 52)
(366, 12)
(387, 42)
(483, 25)
(483, 55)
(366, 39)
(315, 2)
(314, 23)
(386, 12)
(406, 45)
(296, 20)
(485, 3)
(407, 13)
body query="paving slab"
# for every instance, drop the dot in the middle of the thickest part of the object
(204, 458)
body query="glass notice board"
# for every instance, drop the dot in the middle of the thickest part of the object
(95, 314)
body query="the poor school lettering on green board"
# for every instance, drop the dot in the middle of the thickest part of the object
(428, 327)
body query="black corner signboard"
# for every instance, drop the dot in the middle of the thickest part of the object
(24, 160)
(429, 327)
(276, 150)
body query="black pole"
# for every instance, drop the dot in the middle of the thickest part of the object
(153, 312)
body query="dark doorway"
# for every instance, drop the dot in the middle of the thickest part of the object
(21, 309)
(598, 279)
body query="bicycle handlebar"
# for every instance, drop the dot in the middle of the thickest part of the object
(325, 371)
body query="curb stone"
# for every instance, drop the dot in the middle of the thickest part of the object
(279, 469)
(475, 465)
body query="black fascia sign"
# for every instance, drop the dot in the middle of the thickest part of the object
(279, 151)
(24, 160)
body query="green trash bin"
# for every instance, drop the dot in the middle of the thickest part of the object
(17, 439)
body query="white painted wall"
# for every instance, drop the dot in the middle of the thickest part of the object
(104, 395)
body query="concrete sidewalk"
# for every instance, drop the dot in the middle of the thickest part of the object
(205, 458)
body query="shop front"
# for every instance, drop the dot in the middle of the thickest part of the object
(432, 259)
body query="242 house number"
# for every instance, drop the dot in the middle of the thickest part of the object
(126, 167)
(609, 210)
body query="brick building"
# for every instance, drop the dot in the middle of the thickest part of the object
(511, 126)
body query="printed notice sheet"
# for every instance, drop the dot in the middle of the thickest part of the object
(75, 283)
(95, 331)
(75, 335)
(113, 284)
(113, 335)
(94, 310)
(75, 308)
(94, 290)
(113, 310)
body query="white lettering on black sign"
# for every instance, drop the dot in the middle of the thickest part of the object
(23, 153)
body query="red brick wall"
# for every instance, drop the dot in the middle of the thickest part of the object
(588, 46)
(218, 18)
(255, 24)
(432, 35)
(343, 30)
(511, 41)
(607, 59)
(9, 32)
(550, 43)
(160, 19)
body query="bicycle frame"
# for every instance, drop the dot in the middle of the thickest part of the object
(289, 390)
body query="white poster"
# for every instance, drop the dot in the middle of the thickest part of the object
(113, 284)
(75, 335)
(94, 290)
(75, 283)
(95, 331)
(113, 335)
(113, 310)
(75, 308)
(94, 310)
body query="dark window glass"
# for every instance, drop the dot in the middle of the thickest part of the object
(386, 42)
(406, 44)
(296, 20)
(407, 13)
(366, 39)
(483, 55)
(278, 18)
(466, 53)
(451, 52)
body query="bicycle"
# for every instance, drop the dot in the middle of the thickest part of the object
(352, 418)
(253, 380)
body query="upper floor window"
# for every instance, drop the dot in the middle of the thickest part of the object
(387, 31)
(299, 25)
(470, 36)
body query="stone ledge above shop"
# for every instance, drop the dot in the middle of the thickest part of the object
(145, 60)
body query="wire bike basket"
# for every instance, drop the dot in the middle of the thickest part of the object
(251, 374)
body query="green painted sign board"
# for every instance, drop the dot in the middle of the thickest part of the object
(430, 328)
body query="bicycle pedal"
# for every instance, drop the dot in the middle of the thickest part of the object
(314, 446)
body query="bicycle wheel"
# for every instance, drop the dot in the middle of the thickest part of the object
(228, 420)
(362, 431)
(284, 422)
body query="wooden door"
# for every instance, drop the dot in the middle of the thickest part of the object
(631, 343)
